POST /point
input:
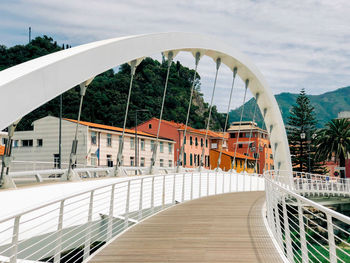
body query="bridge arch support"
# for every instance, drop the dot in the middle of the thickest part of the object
(27, 86)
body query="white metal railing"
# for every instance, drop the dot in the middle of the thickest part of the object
(72, 228)
(312, 184)
(305, 231)
(23, 177)
(19, 166)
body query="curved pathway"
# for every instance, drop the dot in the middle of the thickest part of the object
(221, 228)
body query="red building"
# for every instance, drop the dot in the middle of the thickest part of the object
(194, 143)
(253, 142)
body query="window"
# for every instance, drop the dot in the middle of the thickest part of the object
(191, 161)
(185, 140)
(161, 147)
(185, 161)
(15, 143)
(109, 140)
(142, 164)
(109, 160)
(142, 144)
(161, 162)
(271, 156)
(240, 145)
(170, 163)
(170, 146)
(152, 145)
(206, 143)
(150, 126)
(27, 143)
(4, 141)
(56, 160)
(241, 163)
(93, 159)
(132, 161)
(241, 135)
(256, 155)
(93, 138)
(191, 140)
(132, 143)
(195, 159)
(202, 143)
(232, 135)
(39, 142)
(196, 141)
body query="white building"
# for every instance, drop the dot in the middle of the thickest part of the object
(98, 144)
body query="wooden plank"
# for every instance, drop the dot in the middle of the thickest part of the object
(221, 228)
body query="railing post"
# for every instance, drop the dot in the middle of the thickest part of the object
(207, 183)
(216, 182)
(304, 250)
(230, 187)
(331, 241)
(174, 188)
(287, 231)
(126, 218)
(183, 188)
(88, 228)
(152, 195)
(141, 200)
(200, 185)
(110, 217)
(163, 193)
(278, 224)
(243, 174)
(191, 186)
(223, 183)
(14, 244)
(58, 248)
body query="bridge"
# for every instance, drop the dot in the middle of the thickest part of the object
(179, 215)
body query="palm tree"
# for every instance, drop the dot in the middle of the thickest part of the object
(334, 140)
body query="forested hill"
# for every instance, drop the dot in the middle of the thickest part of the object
(327, 105)
(106, 96)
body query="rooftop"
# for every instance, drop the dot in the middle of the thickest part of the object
(232, 154)
(245, 125)
(112, 128)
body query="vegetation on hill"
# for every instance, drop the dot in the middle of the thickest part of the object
(327, 106)
(106, 96)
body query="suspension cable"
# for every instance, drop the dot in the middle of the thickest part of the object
(133, 65)
(218, 63)
(197, 58)
(73, 154)
(155, 147)
(227, 115)
(240, 123)
(251, 131)
(264, 127)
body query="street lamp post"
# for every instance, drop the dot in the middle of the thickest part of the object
(136, 139)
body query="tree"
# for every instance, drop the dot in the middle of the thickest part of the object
(301, 133)
(334, 140)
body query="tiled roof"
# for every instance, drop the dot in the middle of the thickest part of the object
(112, 128)
(238, 155)
(2, 150)
(182, 126)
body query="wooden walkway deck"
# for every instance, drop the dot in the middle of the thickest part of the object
(222, 228)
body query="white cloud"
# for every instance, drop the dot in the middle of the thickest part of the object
(296, 43)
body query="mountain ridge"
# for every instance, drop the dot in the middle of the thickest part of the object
(327, 106)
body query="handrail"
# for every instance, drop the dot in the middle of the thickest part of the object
(76, 220)
(299, 224)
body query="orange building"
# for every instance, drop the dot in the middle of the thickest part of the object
(253, 142)
(2, 150)
(227, 159)
(194, 143)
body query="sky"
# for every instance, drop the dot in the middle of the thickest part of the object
(295, 43)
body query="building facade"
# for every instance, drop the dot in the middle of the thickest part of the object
(194, 142)
(98, 144)
(251, 141)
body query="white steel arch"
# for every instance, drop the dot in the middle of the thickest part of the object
(27, 86)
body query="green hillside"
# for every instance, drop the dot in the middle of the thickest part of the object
(327, 106)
